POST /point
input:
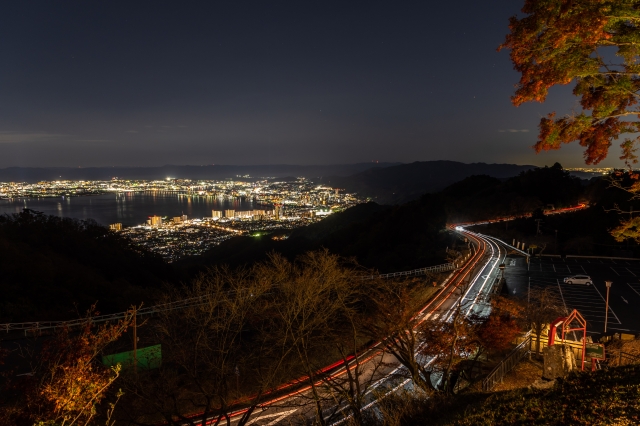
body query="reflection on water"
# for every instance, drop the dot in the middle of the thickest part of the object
(129, 208)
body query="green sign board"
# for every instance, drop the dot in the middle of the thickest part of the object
(595, 350)
(148, 358)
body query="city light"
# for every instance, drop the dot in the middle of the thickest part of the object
(278, 207)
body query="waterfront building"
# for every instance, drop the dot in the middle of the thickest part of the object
(115, 227)
(155, 221)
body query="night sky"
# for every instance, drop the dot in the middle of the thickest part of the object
(264, 82)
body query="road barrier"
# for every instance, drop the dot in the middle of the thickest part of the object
(37, 326)
(422, 271)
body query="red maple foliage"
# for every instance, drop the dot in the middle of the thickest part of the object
(67, 382)
(594, 43)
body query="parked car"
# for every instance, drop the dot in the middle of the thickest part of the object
(579, 279)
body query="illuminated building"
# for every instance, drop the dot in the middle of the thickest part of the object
(155, 221)
(177, 219)
(115, 227)
(230, 213)
(216, 214)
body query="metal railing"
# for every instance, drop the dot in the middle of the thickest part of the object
(507, 364)
(47, 325)
(415, 272)
(37, 326)
(622, 358)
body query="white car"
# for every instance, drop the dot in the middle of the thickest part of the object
(578, 279)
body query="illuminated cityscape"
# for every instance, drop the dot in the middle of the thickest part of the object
(595, 170)
(281, 207)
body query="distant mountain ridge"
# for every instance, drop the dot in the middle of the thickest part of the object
(35, 174)
(405, 182)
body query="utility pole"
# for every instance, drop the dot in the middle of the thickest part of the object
(135, 339)
(237, 373)
(606, 312)
(538, 229)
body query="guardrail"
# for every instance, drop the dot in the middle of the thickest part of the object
(422, 271)
(507, 364)
(37, 326)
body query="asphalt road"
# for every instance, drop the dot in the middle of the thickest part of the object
(477, 279)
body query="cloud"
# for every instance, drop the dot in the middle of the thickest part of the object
(8, 136)
(92, 140)
(132, 131)
(513, 130)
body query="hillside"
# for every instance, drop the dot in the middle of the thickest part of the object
(405, 182)
(585, 232)
(606, 397)
(610, 396)
(409, 235)
(386, 238)
(485, 197)
(55, 268)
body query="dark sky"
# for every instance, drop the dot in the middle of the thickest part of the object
(265, 82)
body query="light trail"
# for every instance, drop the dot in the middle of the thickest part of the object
(454, 283)
(444, 295)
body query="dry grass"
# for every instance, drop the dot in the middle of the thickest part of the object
(522, 376)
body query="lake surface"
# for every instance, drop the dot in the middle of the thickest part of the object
(129, 208)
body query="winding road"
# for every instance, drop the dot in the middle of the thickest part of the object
(477, 277)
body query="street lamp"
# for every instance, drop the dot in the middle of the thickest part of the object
(606, 312)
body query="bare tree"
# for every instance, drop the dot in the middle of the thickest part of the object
(317, 297)
(449, 339)
(362, 371)
(430, 348)
(543, 306)
(216, 354)
(394, 305)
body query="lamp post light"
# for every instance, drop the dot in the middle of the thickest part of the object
(606, 312)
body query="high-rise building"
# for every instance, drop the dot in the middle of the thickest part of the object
(216, 214)
(278, 211)
(177, 219)
(155, 221)
(230, 213)
(115, 227)
(184, 217)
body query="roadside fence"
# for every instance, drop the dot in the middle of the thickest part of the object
(416, 272)
(38, 326)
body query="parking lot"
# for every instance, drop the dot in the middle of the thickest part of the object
(589, 300)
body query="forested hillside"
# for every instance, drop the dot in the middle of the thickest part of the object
(54, 268)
